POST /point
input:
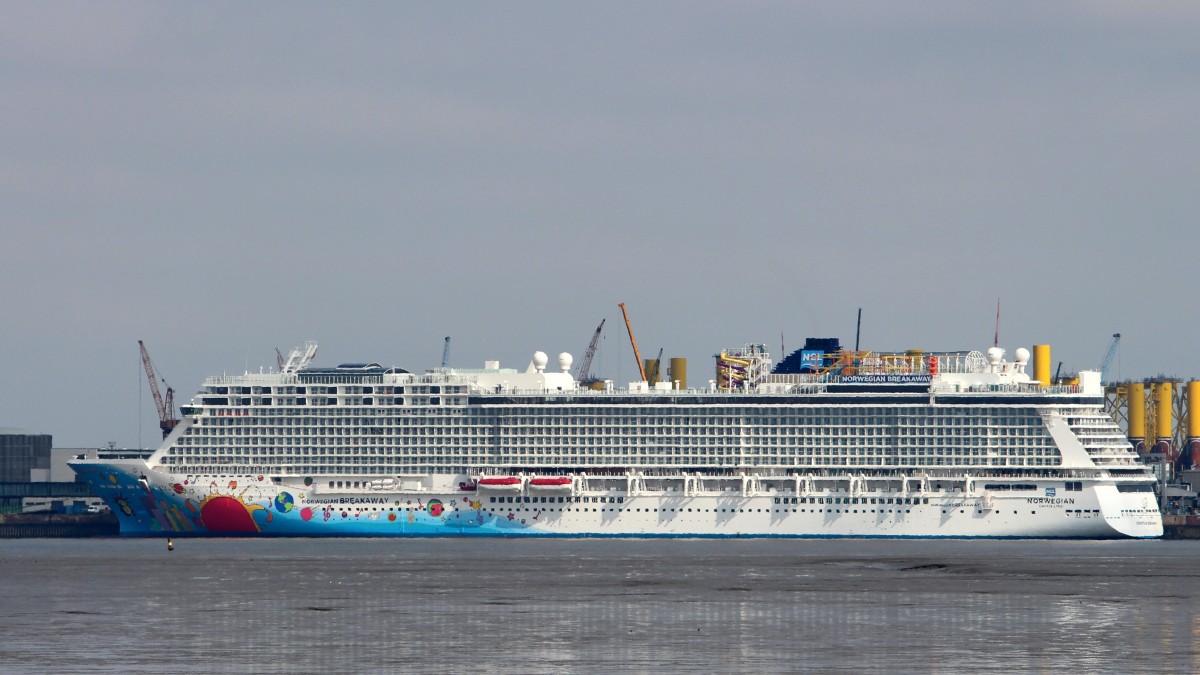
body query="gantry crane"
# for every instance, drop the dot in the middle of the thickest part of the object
(636, 354)
(585, 364)
(166, 406)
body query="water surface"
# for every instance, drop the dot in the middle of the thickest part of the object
(574, 606)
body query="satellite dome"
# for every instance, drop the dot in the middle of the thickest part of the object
(994, 355)
(564, 361)
(540, 360)
(1022, 355)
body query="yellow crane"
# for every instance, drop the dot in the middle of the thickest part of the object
(636, 354)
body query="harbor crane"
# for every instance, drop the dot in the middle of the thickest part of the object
(657, 369)
(636, 354)
(166, 405)
(1108, 357)
(279, 360)
(585, 364)
(446, 352)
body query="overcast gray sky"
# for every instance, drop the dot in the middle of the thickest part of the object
(220, 179)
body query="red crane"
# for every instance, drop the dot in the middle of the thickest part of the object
(166, 407)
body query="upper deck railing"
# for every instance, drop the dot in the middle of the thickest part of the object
(840, 368)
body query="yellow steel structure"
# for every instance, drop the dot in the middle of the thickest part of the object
(1193, 409)
(1169, 411)
(1162, 411)
(1116, 403)
(1137, 411)
(650, 366)
(636, 354)
(1041, 364)
(678, 372)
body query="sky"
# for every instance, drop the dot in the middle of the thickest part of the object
(221, 179)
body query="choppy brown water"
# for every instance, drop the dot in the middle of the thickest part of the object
(563, 606)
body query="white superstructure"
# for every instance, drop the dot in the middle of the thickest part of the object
(956, 444)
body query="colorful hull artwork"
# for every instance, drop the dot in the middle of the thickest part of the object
(254, 506)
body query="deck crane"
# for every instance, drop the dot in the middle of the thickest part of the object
(586, 363)
(636, 354)
(165, 405)
(1108, 357)
(446, 352)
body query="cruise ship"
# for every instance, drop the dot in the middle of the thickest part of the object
(853, 444)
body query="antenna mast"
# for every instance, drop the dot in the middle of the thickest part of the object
(996, 339)
(858, 329)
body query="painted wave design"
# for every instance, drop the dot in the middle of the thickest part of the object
(237, 509)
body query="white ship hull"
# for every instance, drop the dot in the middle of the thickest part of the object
(150, 503)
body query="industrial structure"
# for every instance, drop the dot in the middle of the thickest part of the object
(585, 364)
(637, 355)
(1161, 417)
(165, 405)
